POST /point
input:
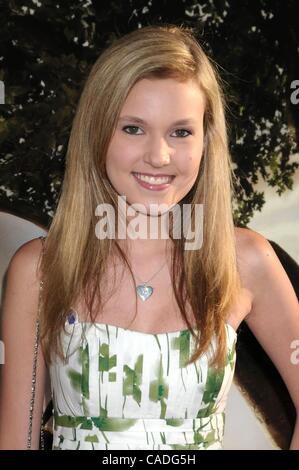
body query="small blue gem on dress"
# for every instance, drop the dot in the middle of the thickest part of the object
(72, 317)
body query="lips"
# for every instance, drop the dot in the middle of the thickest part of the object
(154, 179)
(151, 174)
(153, 183)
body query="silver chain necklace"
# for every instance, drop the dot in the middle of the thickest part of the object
(144, 290)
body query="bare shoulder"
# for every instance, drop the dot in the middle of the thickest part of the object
(254, 252)
(22, 286)
(251, 244)
(259, 266)
(255, 259)
(29, 250)
(25, 261)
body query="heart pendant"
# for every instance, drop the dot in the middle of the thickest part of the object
(144, 292)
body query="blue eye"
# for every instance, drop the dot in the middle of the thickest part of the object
(136, 127)
(184, 130)
(130, 127)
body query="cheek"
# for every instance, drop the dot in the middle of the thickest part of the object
(190, 164)
(189, 156)
(120, 157)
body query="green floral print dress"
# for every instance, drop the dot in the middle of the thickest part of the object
(124, 389)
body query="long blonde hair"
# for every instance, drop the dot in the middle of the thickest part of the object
(208, 277)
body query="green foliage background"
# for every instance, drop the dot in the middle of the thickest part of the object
(48, 47)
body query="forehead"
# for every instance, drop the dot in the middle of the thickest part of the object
(160, 95)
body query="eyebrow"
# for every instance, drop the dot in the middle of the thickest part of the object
(188, 120)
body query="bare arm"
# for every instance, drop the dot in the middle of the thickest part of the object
(274, 317)
(19, 312)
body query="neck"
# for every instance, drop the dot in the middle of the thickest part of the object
(146, 236)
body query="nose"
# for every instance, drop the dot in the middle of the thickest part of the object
(158, 153)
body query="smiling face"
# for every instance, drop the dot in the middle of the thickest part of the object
(159, 132)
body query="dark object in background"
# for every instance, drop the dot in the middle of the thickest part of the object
(259, 378)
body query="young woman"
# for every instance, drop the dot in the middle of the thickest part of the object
(149, 136)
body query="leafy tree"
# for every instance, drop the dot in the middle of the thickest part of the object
(48, 47)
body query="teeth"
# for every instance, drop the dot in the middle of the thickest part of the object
(153, 179)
